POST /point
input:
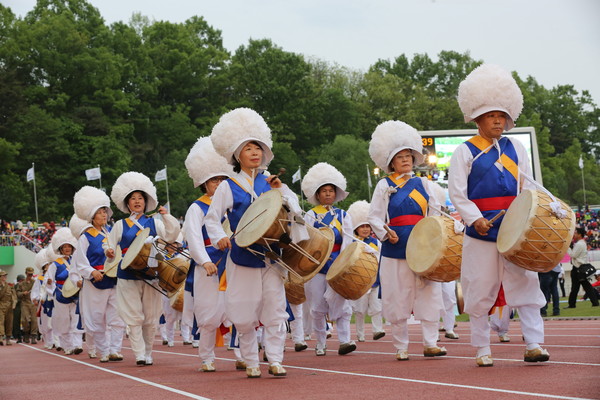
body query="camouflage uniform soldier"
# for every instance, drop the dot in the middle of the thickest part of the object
(28, 309)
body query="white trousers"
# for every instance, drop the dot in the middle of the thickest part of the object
(209, 309)
(483, 269)
(140, 308)
(187, 316)
(326, 301)
(499, 323)
(64, 320)
(101, 318)
(449, 299)
(257, 295)
(403, 292)
(46, 330)
(171, 318)
(369, 304)
(297, 325)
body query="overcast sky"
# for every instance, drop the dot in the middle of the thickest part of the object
(555, 41)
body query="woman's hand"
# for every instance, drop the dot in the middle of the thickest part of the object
(482, 225)
(110, 253)
(97, 275)
(224, 243)
(162, 210)
(393, 237)
(274, 181)
(210, 268)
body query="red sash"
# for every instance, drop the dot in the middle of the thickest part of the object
(493, 203)
(403, 220)
(336, 248)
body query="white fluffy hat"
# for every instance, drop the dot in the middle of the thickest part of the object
(203, 162)
(130, 182)
(78, 226)
(238, 127)
(323, 174)
(61, 237)
(389, 138)
(42, 258)
(490, 88)
(359, 213)
(88, 200)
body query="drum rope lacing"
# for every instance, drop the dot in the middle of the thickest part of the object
(557, 208)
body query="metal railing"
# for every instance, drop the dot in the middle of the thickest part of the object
(19, 240)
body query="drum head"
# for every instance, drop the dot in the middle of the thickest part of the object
(516, 221)
(135, 247)
(110, 268)
(69, 289)
(347, 257)
(426, 244)
(258, 218)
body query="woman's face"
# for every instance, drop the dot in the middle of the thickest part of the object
(403, 161)
(66, 250)
(212, 184)
(326, 195)
(251, 156)
(100, 217)
(136, 203)
(364, 231)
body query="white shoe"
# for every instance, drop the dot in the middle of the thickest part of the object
(402, 355)
(171, 344)
(504, 338)
(149, 361)
(104, 359)
(307, 337)
(92, 354)
(321, 352)
(68, 352)
(195, 344)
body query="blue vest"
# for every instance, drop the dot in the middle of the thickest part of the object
(62, 274)
(214, 253)
(402, 204)
(241, 202)
(128, 236)
(492, 190)
(96, 257)
(339, 238)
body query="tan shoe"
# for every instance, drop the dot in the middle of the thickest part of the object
(277, 370)
(451, 335)
(115, 357)
(240, 365)
(484, 361)
(208, 367)
(434, 351)
(402, 355)
(253, 372)
(536, 355)
(504, 338)
(346, 348)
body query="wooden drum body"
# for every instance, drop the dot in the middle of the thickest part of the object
(531, 235)
(353, 272)
(294, 290)
(318, 246)
(264, 222)
(434, 249)
(176, 300)
(172, 273)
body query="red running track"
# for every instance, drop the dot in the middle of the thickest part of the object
(573, 372)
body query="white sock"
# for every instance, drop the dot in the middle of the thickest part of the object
(531, 346)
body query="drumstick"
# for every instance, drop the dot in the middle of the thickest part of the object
(501, 213)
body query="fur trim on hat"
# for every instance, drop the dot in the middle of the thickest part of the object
(490, 88)
(389, 138)
(41, 259)
(238, 127)
(78, 226)
(359, 213)
(130, 182)
(61, 237)
(322, 174)
(88, 200)
(203, 162)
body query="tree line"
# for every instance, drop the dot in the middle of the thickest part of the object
(76, 92)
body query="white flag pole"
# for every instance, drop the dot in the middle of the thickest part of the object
(167, 180)
(100, 176)
(301, 194)
(369, 181)
(583, 181)
(35, 194)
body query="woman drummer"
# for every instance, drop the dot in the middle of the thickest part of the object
(207, 169)
(98, 297)
(369, 303)
(138, 299)
(64, 314)
(40, 297)
(255, 292)
(399, 201)
(323, 185)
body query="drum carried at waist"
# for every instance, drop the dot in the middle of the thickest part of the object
(69, 289)
(532, 236)
(264, 222)
(434, 249)
(138, 253)
(294, 290)
(176, 299)
(353, 272)
(307, 257)
(172, 272)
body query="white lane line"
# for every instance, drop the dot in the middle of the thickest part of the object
(134, 378)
